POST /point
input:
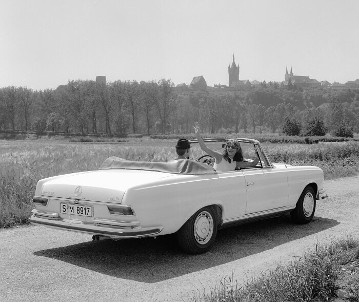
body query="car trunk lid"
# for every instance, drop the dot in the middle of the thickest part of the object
(101, 185)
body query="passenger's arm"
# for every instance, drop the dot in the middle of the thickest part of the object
(203, 146)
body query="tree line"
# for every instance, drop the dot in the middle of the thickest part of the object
(129, 107)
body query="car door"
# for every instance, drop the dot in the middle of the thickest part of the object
(230, 188)
(267, 190)
(266, 186)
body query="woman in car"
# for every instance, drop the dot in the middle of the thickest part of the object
(230, 159)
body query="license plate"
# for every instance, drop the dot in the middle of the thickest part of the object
(76, 210)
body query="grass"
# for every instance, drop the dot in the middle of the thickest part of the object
(316, 277)
(338, 159)
(23, 163)
(319, 276)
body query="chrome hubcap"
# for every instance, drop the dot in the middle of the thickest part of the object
(203, 227)
(308, 204)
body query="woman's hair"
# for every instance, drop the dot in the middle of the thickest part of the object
(238, 156)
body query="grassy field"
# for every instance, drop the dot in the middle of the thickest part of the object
(313, 278)
(23, 163)
(318, 276)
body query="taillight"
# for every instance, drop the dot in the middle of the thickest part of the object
(120, 210)
(40, 200)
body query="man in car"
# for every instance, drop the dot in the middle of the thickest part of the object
(183, 148)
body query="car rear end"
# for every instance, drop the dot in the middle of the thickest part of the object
(92, 202)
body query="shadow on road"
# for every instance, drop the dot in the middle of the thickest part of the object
(153, 260)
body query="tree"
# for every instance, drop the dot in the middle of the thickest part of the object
(103, 97)
(260, 116)
(131, 94)
(53, 122)
(315, 127)
(291, 127)
(149, 97)
(92, 106)
(118, 99)
(343, 130)
(10, 105)
(271, 119)
(313, 122)
(25, 101)
(354, 109)
(2, 111)
(252, 110)
(239, 108)
(39, 125)
(165, 104)
(339, 119)
(77, 105)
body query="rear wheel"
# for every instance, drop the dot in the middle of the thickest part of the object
(304, 211)
(199, 232)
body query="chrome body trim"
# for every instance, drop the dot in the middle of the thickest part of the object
(103, 227)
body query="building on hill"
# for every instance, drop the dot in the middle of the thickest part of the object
(233, 74)
(182, 85)
(101, 80)
(353, 84)
(199, 83)
(220, 86)
(255, 83)
(299, 81)
(181, 88)
(338, 86)
(325, 84)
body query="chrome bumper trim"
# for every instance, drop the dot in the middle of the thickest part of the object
(97, 230)
(52, 216)
(116, 224)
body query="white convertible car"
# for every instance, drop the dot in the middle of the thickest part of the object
(128, 199)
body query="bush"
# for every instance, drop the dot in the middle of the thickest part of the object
(121, 126)
(312, 278)
(344, 131)
(82, 140)
(291, 127)
(135, 135)
(315, 128)
(225, 130)
(39, 126)
(309, 140)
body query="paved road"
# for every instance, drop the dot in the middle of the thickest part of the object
(41, 264)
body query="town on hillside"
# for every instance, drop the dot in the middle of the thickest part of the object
(300, 81)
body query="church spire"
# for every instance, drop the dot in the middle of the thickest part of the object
(291, 70)
(286, 70)
(233, 73)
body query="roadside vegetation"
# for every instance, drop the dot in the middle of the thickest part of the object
(327, 273)
(23, 163)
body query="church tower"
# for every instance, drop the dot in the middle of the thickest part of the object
(233, 74)
(288, 76)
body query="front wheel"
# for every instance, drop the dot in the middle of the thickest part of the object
(304, 211)
(198, 234)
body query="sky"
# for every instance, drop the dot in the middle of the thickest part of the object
(46, 43)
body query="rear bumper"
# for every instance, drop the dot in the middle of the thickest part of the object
(108, 230)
